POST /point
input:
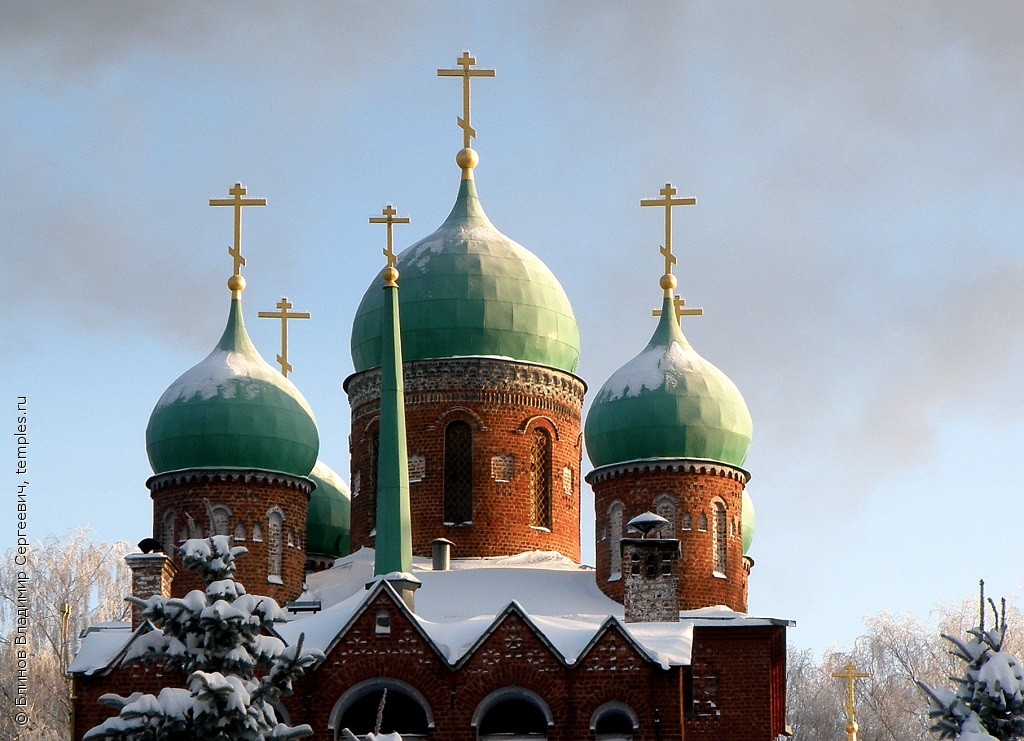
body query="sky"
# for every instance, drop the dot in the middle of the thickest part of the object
(857, 244)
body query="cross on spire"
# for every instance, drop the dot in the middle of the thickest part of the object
(851, 675)
(466, 62)
(390, 217)
(667, 201)
(284, 315)
(238, 202)
(680, 309)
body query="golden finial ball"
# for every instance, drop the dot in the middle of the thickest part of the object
(390, 275)
(236, 283)
(668, 282)
(467, 159)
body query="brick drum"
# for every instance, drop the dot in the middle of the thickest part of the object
(240, 500)
(675, 490)
(503, 402)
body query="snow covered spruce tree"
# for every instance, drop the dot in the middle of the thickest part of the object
(988, 702)
(219, 638)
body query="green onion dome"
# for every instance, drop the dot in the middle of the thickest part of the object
(468, 290)
(233, 410)
(668, 402)
(748, 520)
(329, 517)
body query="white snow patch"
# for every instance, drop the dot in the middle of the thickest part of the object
(654, 368)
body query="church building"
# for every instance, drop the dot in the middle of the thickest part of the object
(450, 576)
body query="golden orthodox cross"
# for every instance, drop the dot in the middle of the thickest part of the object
(680, 309)
(466, 61)
(284, 315)
(668, 202)
(390, 217)
(238, 203)
(851, 675)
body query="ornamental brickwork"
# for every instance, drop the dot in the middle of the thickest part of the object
(702, 502)
(261, 510)
(524, 455)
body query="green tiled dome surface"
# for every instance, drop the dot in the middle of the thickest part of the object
(467, 289)
(233, 410)
(748, 518)
(328, 523)
(668, 402)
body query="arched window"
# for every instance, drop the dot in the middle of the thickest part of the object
(406, 711)
(275, 552)
(167, 533)
(220, 516)
(615, 517)
(239, 531)
(718, 537)
(614, 721)
(687, 523)
(458, 472)
(512, 712)
(666, 506)
(183, 533)
(702, 523)
(257, 533)
(540, 479)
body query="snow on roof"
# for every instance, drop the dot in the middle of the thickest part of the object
(101, 644)
(456, 609)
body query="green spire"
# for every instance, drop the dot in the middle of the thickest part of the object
(394, 528)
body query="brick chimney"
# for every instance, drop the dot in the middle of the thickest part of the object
(651, 572)
(152, 573)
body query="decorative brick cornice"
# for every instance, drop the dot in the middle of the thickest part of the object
(219, 475)
(474, 380)
(660, 465)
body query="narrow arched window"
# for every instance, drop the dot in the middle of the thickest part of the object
(615, 540)
(167, 535)
(239, 531)
(458, 472)
(540, 479)
(719, 537)
(220, 516)
(666, 507)
(275, 552)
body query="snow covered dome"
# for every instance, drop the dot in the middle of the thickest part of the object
(668, 402)
(233, 410)
(330, 510)
(468, 290)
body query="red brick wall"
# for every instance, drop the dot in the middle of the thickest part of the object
(735, 691)
(250, 496)
(693, 487)
(739, 686)
(503, 402)
(89, 713)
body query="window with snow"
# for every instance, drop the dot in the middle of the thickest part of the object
(357, 481)
(220, 519)
(239, 531)
(503, 468)
(540, 479)
(383, 622)
(291, 537)
(615, 513)
(275, 537)
(702, 523)
(417, 468)
(567, 481)
(687, 522)
(167, 533)
(666, 506)
(614, 721)
(257, 533)
(719, 541)
(458, 472)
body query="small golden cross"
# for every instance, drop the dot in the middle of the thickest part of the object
(851, 675)
(668, 202)
(390, 218)
(284, 315)
(466, 61)
(238, 202)
(680, 309)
